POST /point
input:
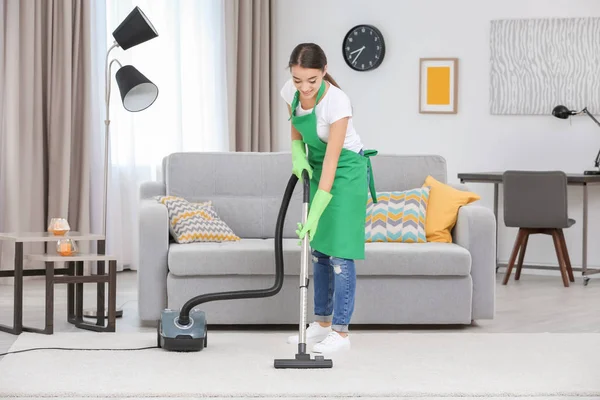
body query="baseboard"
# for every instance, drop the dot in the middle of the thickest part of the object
(544, 269)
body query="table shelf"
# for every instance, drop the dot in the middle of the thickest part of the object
(28, 237)
(77, 257)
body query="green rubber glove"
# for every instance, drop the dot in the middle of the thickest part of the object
(319, 204)
(299, 161)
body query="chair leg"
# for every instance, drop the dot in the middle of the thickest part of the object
(521, 255)
(559, 255)
(566, 255)
(513, 256)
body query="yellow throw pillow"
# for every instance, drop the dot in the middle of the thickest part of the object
(442, 209)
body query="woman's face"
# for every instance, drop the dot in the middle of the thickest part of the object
(307, 80)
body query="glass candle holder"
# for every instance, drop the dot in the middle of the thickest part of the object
(58, 226)
(66, 247)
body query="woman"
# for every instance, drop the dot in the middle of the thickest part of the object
(340, 174)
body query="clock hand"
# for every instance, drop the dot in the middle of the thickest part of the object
(358, 55)
(361, 49)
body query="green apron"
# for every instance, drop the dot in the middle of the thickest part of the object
(341, 231)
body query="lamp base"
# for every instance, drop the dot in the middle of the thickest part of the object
(93, 313)
(592, 172)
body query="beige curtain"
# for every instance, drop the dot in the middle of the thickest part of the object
(248, 41)
(45, 115)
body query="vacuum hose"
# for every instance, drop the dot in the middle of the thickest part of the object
(184, 315)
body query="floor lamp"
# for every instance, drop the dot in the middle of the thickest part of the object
(137, 94)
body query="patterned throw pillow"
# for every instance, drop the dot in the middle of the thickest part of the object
(398, 216)
(195, 222)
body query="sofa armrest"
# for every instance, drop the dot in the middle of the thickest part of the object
(153, 251)
(152, 188)
(475, 230)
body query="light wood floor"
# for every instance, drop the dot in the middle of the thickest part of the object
(536, 303)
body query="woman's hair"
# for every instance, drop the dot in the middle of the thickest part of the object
(310, 55)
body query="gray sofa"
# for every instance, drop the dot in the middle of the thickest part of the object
(398, 283)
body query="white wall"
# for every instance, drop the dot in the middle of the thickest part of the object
(386, 100)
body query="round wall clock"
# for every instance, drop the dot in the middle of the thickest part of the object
(363, 48)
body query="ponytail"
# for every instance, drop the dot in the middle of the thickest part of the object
(329, 79)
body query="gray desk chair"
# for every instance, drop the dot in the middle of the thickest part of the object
(536, 202)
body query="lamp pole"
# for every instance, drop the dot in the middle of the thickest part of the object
(106, 135)
(92, 313)
(597, 161)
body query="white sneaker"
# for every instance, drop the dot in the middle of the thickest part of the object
(333, 342)
(315, 333)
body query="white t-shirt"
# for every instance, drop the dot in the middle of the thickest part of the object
(334, 105)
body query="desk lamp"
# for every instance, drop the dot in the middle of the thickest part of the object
(563, 112)
(137, 91)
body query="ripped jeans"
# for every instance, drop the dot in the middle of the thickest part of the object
(334, 290)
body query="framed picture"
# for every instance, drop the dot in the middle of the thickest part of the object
(438, 85)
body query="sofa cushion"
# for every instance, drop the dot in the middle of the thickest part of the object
(442, 210)
(256, 257)
(397, 216)
(245, 188)
(417, 259)
(195, 222)
(404, 172)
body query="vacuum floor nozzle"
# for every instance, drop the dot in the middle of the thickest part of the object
(303, 360)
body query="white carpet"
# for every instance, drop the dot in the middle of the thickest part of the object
(241, 364)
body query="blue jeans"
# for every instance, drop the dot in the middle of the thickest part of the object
(334, 290)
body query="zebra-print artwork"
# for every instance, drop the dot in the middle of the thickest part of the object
(537, 64)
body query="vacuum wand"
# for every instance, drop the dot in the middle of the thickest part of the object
(302, 359)
(304, 280)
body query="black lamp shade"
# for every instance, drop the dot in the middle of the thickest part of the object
(136, 28)
(137, 91)
(562, 112)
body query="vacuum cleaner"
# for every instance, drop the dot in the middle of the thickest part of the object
(186, 330)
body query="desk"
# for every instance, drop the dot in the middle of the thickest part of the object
(572, 179)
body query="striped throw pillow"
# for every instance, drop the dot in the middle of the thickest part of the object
(195, 222)
(398, 216)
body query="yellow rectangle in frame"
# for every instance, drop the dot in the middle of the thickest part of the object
(438, 85)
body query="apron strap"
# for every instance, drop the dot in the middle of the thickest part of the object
(294, 105)
(368, 154)
(319, 95)
(295, 101)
